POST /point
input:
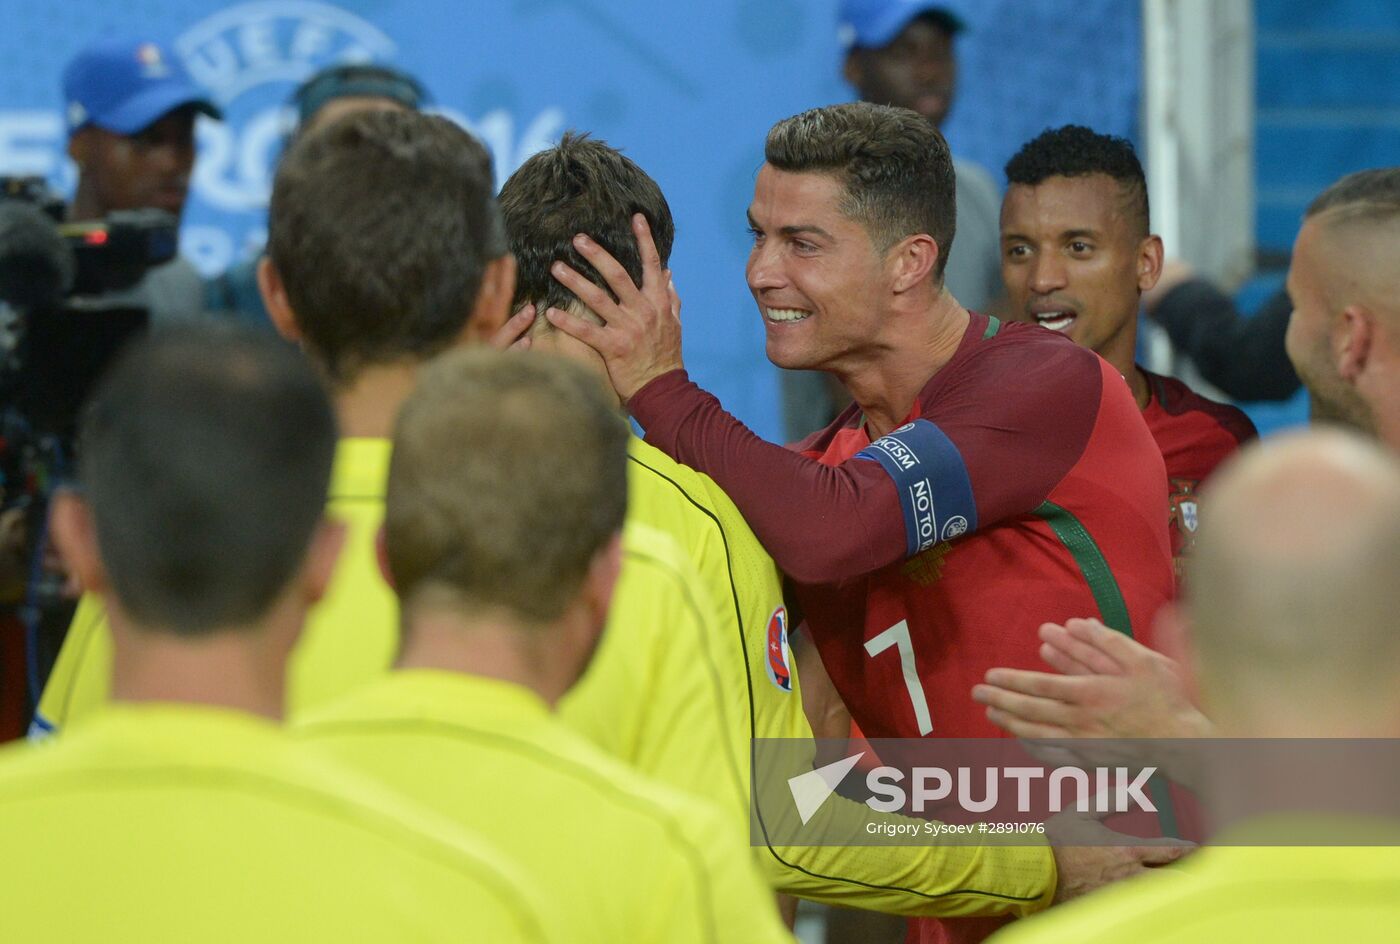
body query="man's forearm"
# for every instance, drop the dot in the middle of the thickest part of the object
(820, 523)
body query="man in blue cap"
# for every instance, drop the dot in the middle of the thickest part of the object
(901, 52)
(130, 108)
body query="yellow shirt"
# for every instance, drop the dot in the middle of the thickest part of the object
(624, 859)
(1241, 895)
(172, 823)
(681, 683)
(654, 695)
(323, 665)
(326, 664)
(760, 697)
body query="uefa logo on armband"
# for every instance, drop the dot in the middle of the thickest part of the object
(779, 661)
(954, 527)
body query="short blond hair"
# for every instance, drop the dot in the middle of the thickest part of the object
(509, 475)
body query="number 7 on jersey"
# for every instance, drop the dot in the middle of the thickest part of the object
(898, 636)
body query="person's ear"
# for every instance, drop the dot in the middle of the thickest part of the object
(80, 148)
(1357, 334)
(75, 536)
(493, 301)
(853, 69)
(274, 297)
(1151, 255)
(912, 261)
(602, 578)
(321, 558)
(591, 605)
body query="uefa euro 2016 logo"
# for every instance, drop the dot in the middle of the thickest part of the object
(250, 57)
(779, 655)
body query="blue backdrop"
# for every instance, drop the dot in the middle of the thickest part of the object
(687, 89)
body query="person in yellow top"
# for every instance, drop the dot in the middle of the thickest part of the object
(345, 224)
(1287, 631)
(183, 811)
(375, 196)
(78, 681)
(506, 498)
(583, 185)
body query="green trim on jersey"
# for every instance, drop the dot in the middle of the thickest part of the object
(993, 326)
(1112, 610)
(1080, 544)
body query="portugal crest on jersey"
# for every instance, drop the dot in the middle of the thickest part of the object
(1183, 508)
(779, 662)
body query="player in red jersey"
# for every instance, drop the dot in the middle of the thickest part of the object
(987, 477)
(1077, 254)
(1341, 340)
(1031, 454)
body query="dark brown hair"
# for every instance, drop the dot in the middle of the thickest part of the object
(894, 165)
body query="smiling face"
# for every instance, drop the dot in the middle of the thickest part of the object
(1075, 260)
(815, 273)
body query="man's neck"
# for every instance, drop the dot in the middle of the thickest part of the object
(369, 405)
(886, 381)
(1121, 354)
(1258, 770)
(1137, 382)
(487, 644)
(85, 205)
(1384, 408)
(240, 669)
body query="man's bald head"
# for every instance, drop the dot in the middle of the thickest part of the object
(1293, 591)
(1345, 284)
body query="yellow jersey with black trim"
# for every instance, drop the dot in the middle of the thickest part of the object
(622, 857)
(1239, 894)
(654, 695)
(694, 664)
(158, 822)
(762, 699)
(351, 635)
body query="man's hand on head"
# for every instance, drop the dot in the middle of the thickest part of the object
(640, 338)
(514, 334)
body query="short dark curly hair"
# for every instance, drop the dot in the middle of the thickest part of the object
(1077, 151)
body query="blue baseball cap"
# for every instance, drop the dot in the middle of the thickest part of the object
(125, 85)
(875, 23)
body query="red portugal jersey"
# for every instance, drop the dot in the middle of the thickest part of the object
(1195, 435)
(1030, 491)
(1023, 488)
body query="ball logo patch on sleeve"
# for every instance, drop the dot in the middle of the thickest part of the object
(779, 662)
(935, 491)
